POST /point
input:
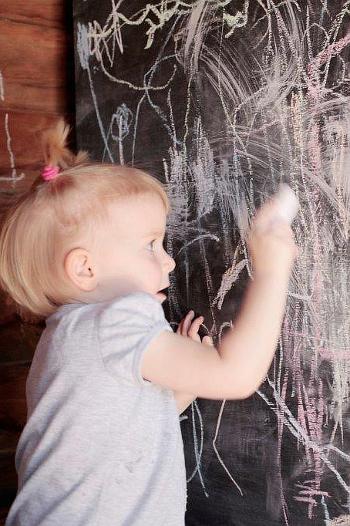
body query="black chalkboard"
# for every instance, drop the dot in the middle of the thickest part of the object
(221, 101)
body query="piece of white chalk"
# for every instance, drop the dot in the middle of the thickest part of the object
(288, 204)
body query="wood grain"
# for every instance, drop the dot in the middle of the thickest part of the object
(45, 13)
(33, 67)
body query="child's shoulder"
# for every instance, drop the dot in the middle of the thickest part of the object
(136, 306)
(138, 300)
(110, 318)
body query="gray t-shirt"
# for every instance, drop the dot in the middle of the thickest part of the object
(101, 446)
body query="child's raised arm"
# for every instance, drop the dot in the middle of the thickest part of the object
(237, 368)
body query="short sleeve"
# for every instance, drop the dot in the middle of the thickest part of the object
(126, 327)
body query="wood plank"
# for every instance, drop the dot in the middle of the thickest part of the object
(12, 420)
(18, 341)
(8, 439)
(10, 188)
(13, 378)
(8, 473)
(34, 62)
(8, 481)
(13, 407)
(3, 514)
(50, 13)
(37, 98)
(32, 55)
(8, 309)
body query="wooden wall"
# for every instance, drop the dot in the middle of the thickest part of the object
(36, 86)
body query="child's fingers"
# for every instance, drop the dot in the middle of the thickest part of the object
(179, 327)
(263, 214)
(187, 323)
(207, 340)
(189, 328)
(267, 215)
(193, 330)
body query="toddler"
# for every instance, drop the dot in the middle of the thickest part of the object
(84, 249)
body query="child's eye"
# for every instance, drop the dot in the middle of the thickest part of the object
(150, 245)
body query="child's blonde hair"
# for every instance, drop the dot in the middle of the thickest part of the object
(37, 230)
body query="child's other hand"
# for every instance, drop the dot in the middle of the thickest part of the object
(271, 242)
(189, 327)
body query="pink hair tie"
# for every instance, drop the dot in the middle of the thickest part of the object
(49, 172)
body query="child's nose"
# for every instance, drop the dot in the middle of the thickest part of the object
(169, 263)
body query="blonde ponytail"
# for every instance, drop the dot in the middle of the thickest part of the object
(55, 150)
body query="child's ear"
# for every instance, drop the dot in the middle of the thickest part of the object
(80, 269)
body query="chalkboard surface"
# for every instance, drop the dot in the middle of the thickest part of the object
(221, 101)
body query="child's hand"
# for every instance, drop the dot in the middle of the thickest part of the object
(271, 242)
(189, 327)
